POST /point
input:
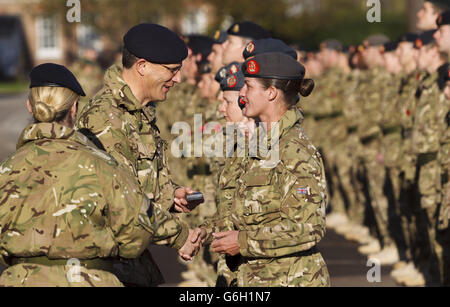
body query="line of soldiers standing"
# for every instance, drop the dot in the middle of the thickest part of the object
(379, 116)
(381, 119)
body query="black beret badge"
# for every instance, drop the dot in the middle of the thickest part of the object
(250, 47)
(236, 28)
(232, 81)
(252, 67)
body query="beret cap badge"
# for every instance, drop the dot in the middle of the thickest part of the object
(234, 69)
(252, 67)
(232, 81)
(217, 35)
(236, 28)
(250, 47)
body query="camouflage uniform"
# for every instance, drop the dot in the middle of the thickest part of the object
(117, 122)
(63, 198)
(426, 133)
(279, 211)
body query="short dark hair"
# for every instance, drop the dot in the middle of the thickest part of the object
(128, 59)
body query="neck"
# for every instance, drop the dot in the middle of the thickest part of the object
(133, 83)
(273, 115)
(435, 65)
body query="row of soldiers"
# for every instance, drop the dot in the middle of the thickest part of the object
(380, 118)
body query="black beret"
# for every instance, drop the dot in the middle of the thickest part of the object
(443, 19)
(155, 43)
(375, 40)
(268, 45)
(388, 47)
(227, 70)
(444, 72)
(234, 82)
(424, 38)
(248, 29)
(331, 44)
(220, 37)
(408, 37)
(273, 65)
(50, 74)
(199, 44)
(442, 4)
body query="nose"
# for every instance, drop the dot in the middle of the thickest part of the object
(177, 77)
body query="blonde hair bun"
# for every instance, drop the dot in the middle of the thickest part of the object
(44, 113)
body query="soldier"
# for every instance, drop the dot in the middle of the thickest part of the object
(430, 11)
(121, 120)
(239, 35)
(61, 197)
(278, 210)
(443, 235)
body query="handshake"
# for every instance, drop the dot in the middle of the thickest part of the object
(194, 242)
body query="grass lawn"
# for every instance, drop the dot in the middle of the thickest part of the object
(13, 87)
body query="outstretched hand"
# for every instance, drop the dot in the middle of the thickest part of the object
(226, 242)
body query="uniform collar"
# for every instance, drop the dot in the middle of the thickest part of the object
(286, 122)
(121, 91)
(51, 131)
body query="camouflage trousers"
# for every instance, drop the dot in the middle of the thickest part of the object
(36, 275)
(303, 271)
(376, 176)
(427, 253)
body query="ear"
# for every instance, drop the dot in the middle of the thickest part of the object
(73, 109)
(29, 107)
(272, 93)
(141, 67)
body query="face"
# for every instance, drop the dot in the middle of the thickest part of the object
(256, 97)
(215, 58)
(158, 79)
(426, 56)
(447, 90)
(233, 49)
(372, 57)
(406, 53)
(205, 85)
(391, 62)
(190, 68)
(230, 107)
(442, 37)
(426, 17)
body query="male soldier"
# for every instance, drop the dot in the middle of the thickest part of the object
(120, 120)
(430, 11)
(443, 235)
(239, 35)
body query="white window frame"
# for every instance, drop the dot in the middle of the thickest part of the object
(47, 52)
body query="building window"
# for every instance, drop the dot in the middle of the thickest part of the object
(48, 45)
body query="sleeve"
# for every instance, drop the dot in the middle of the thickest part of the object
(301, 182)
(134, 221)
(104, 128)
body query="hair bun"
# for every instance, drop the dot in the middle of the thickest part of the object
(44, 113)
(306, 87)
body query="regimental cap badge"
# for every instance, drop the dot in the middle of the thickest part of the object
(439, 20)
(252, 67)
(217, 35)
(223, 72)
(236, 28)
(232, 81)
(381, 49)
(418, 43)
(234, 69)
(250, 47)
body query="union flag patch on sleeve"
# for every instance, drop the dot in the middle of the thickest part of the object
(303, 191)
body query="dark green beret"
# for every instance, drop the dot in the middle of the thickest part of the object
(443, 19)
(424, 38)
(267, 45)
(234, 82)
(273, 65)
(388, 47)
(50, 74)
(408, 37)
(155, 43)
(220, 37)
(248, 29)
(199, 44)
(442, 4)
(227, 70)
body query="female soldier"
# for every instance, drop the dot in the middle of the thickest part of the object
(67, 210)
(278, 209)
